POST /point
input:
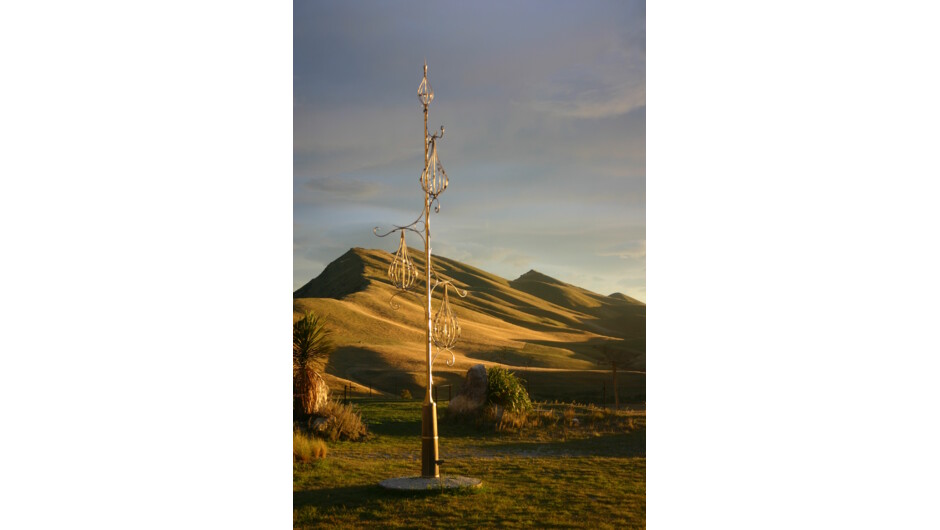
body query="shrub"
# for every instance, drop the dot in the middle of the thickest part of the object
(307, 449)
(506, 390)
(405, 394)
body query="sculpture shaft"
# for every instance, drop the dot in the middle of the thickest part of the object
(429, 454)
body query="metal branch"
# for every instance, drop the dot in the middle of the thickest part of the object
(446, 282)
(409, 226)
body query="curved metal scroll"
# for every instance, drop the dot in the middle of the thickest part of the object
(409, 226)
(448, 363)
(391, 299)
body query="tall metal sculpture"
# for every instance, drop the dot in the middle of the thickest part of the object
(443, 330)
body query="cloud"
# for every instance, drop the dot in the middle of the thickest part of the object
(612, 84)
(330, 189)
(483, 255)
(629, 251)
(545, 144)
(598, 101)
(516, 259)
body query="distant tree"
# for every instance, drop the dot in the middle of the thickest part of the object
(311, 343)
(615, 358)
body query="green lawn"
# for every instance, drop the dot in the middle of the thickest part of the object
(553, 475)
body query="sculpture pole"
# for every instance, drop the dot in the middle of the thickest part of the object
(429, 454)
(442, 329)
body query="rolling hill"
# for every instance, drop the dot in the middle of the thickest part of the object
(549, 332)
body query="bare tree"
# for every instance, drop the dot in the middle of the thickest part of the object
(615, 358)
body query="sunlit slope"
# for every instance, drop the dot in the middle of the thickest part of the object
(616, 316)
(534, 323)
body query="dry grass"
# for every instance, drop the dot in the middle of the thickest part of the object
(555, 421)
(308, 449)
(547, 417)
(514, 421)
(343, 422)
(569, 415)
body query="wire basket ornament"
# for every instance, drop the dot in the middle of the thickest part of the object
(434, 178)
(402, 271)
(425, 93)
(445, 328)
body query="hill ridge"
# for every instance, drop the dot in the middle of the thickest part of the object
(532, 323)
(535, 275)
(341, 277)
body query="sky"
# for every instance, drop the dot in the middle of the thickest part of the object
(544, 107)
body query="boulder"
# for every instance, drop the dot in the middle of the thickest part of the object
(472, 394)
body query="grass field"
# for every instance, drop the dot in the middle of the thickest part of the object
(560, 474)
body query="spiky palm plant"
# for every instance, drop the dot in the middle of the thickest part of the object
(311, 342)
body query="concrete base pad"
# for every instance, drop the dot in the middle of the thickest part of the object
(421, 483)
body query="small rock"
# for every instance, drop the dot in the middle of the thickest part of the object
(319, 424)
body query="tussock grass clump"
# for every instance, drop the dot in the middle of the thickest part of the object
(547, 417)
(596, 415)
(342, 422)
(307, 449)
(405, 394)
(514, 421)
(569, 415)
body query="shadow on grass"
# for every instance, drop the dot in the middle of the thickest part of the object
(352, 497)
(631, 444)
(584, 386)
(397, 428)
(589, 350)
(369, 368)
(395, 418)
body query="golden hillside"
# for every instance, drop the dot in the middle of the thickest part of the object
(548, 331)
